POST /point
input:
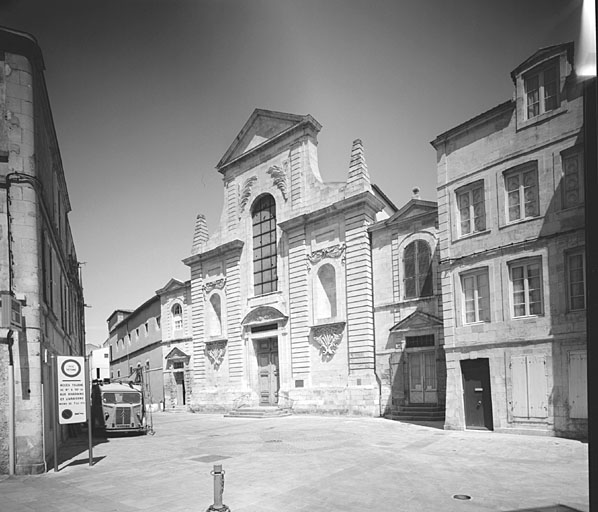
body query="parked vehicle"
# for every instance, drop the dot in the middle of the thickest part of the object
(118, 407)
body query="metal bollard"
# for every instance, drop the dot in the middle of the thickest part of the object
(218, 473)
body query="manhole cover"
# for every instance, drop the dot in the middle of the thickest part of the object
(461, 497)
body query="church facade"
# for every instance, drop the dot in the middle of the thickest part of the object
(282, 292)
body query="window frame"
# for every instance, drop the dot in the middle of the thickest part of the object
(177, 318)
(477, 311)
(417, 277)
(469, 191)
(568, 256)
(576, 154)
(264, 241)
(526, 263)
(520, 172)
(540, 74)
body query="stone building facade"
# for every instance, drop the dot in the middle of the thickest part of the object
(511, 223)
(177, 343)
(155, 340)
(408, 312)
(38, 261)
(281, 291)
(135, 345)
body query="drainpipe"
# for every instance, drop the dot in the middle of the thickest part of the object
(15, 177)
(11, 406)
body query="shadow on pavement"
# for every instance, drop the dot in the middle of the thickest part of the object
(549, 508)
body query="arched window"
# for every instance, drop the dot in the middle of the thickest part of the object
(177, 317)
(264, 245)
(417, 264)
(215, 316)
(325, 293)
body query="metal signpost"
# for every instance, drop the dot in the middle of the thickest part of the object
(72, 391)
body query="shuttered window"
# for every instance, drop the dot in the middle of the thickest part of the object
(578, 385)
(529, 389)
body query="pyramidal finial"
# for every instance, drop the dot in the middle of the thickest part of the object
(359, 176)
(200, 236)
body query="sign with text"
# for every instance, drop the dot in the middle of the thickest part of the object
(71, 389)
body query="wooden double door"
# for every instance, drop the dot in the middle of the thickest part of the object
(422, 377)
(267, 360)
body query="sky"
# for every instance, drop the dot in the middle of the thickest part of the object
(147, 95)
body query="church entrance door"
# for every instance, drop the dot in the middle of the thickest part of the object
(267, 359)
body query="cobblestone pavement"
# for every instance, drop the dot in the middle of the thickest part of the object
(308, 463)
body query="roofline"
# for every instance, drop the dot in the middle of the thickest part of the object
(484, 116)
(20, 42)
(136, 310)
(23, 43)
(543, 54)
(385, 197)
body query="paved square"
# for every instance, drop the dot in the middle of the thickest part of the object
(308, 463)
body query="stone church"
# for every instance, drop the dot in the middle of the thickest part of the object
(282, 291)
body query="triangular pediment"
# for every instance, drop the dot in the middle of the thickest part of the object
(543, 54)
(261, 127)
(417, 320)
(176, 353)
(414, 208)
(173, 284)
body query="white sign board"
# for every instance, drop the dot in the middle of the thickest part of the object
(71, 389)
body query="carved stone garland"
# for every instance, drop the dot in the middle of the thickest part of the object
(328, 337)
(245, 192)
(220, 283)
(334, 251)
(215, 351)
(279, 178)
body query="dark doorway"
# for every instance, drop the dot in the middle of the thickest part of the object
(267, 358)
(179, 378)
(477, 398)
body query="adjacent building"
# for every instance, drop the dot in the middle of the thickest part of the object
(512, 256)
(151, 345)
(38, 262)
(407, 296)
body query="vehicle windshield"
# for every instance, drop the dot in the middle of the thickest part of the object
(121, 398)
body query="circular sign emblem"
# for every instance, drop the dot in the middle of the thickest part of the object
(71, 368)
(67, 414)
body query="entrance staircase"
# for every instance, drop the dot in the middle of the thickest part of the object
(258, 412)
(177, 409)
(417, 413)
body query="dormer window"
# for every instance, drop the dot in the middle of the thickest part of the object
(541, 91)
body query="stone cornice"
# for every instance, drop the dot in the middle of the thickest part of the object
(367, 199)
(224, 248)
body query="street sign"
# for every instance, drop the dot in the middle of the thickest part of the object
(71, 389)
(10, 312)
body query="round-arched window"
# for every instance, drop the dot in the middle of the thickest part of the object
(263, 216)
(177, 317)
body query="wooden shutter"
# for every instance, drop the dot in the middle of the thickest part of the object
(519, 386)
(578, 390)
(536, 387)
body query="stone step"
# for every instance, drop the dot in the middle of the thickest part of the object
(414, 417)
(257, 412)
(176, 409)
